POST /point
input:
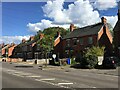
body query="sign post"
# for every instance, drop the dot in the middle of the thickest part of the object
(54, 56)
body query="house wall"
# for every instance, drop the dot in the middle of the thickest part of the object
(105, 39)
(58, 48)
(116, 38)
(3, 52)
(10, 50)
(78, 48)
(117, 42)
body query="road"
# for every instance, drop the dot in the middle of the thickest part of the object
(14, 76)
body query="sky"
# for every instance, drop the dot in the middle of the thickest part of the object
(23, 19)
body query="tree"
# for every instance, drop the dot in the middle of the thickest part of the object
(47, 41)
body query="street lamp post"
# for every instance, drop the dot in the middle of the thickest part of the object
(6, 55)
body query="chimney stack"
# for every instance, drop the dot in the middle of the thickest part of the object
(71, 27)
(31, 38)
(41, 35)
(23, 40)
(12, 44)
(104, 20)
(58, 34)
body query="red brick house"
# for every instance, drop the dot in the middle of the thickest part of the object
(78, 39)
(28, 49)
(11, 50)
(4, 50)
(116, 40)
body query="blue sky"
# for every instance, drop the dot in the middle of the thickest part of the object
(17, 15)
(22, 19)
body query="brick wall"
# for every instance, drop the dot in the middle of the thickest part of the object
(10, 50)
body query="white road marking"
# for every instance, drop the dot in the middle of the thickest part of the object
(18, 75)
(94, 87)
(110, 75)
(25, 74)
(33, 76)
(64, 83)
(51, 83)
(10, 70)
(37, 79)
(48, 79)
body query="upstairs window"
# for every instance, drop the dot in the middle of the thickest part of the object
(81, 41)
(68, 42)
(38, 46)
(74, 41)
(90, 40)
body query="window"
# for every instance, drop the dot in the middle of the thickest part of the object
(74, 41)
(81, 41)
(24, 48)
(38, 46)
(77, 40)
(90, 40)
(30, 48)
(68, 42)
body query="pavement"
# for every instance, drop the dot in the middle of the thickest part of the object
(67, 68)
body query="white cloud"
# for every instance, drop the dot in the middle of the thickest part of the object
(11, 39)
(112, 20)
(44, 24)
(81, 13)
(105, 4)
(39, 26)
(54, 10)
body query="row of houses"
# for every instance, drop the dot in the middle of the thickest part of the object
(76, 41)
(25, 50)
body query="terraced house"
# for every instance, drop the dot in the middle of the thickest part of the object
(28, 49)
(79, 39)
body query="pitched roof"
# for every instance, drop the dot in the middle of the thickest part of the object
(117, 26)
(88, 30)
(6, 46)
(28, 43)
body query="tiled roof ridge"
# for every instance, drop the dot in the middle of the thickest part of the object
(93, 25)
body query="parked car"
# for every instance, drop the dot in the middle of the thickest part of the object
(3, 60)
(110, 62)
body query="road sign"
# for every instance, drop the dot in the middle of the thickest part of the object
(54, 56)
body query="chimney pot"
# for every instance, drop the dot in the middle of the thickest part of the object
(32, 38)
(23, 40)
(103, 20)
(71, 27)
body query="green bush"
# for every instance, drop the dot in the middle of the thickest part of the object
(90, 57)
(73, 61)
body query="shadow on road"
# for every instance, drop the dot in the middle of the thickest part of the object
(100, 67)
(23, 66)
